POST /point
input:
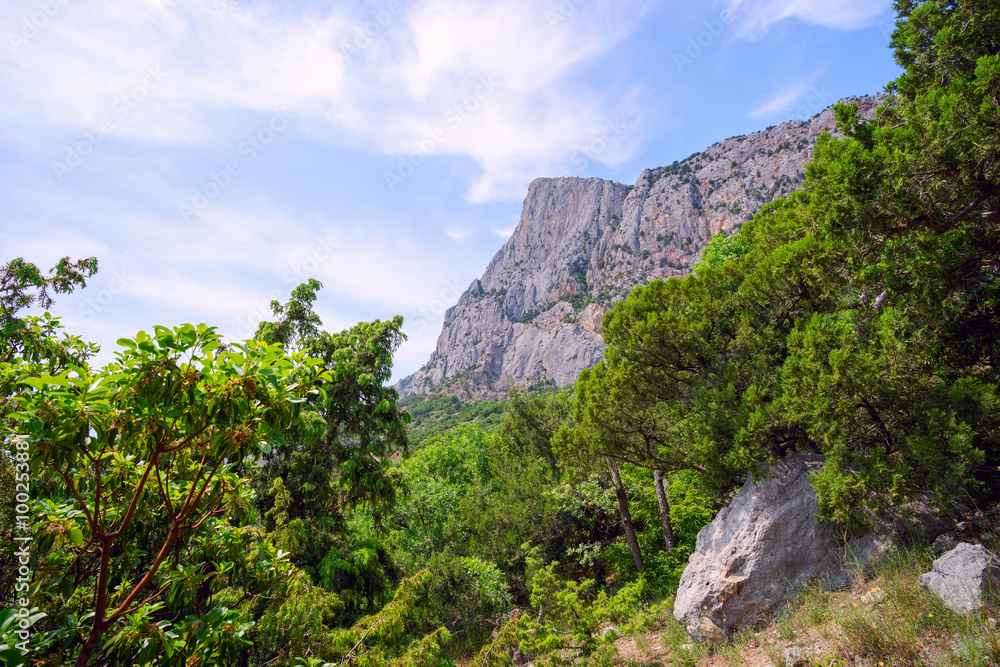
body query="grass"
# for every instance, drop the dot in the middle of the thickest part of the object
(907, 621)
(912, 626)
(900, 625)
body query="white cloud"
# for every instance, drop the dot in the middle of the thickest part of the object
(787, 97)
(488, 80)
(783, 100)
(226, 269)
(504, 233)
(755, 16)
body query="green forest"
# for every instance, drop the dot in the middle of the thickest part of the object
(199, 501)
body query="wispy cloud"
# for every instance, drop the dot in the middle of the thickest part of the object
(504, 233)
(384, 97)
(755, 16)
(783, 100)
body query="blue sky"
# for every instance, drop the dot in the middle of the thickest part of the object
(214, 153)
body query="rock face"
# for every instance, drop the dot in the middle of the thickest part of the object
(966, 578)
(582, 244)
(751, 558)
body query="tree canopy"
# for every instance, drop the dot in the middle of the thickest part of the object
(857, 317)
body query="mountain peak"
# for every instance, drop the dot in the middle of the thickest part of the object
(583, 243)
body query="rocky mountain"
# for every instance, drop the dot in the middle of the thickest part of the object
(583, 243)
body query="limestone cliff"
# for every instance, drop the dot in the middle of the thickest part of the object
(582, 244)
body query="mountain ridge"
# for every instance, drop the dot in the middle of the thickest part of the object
(582, 244)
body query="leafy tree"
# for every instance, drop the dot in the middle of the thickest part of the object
(148, 549)
(298, 324)
(30, 339)
(858, 317)
(433, 415)
(23, 285)
(532, 421)
(335, 458)
(147, 448)
(565, 628)
(916, 193)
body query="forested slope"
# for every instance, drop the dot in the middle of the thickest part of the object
(213, 502)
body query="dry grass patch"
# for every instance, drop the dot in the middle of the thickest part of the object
(885, 619)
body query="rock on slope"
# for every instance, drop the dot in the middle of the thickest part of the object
(965, 578)
(758, 550)
(582, 244)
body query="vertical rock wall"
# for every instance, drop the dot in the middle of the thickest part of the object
(582, 244)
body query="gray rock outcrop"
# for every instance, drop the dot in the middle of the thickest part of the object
(583, 243)
(752, 558)
(965, 578)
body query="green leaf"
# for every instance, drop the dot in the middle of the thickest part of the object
(6, 618)
(12, 657)
(76, 536)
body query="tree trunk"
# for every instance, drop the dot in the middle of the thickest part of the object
(93, 642)
(633, 543)
(661, 497)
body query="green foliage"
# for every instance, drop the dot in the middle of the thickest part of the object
(149, 449)
(433, 415)
(532, 419)
(690, 510)
(437, 479)
(335, 458)
(428, 529)
(857, 317)
(565, 621)
(298, 323)
(23, 285)
(475, 503)
(147, 548)
(580, 300)
(217, 503)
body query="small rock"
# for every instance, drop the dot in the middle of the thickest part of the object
(992, 622)
(873, 597)
(519, 659)
(965, 578)
(687, 647)
(944, 543)
(709, 631)
(796, 656)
